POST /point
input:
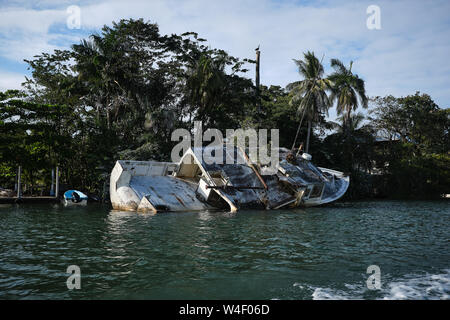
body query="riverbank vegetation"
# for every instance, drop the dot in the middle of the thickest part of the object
(121, 93)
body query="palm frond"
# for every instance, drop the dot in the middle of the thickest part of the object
(347, 89)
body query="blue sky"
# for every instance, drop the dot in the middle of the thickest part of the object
(408, 54)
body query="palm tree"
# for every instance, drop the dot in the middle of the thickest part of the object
(206, 82)
(310, 94)
(92, 57)
(99, 64)
(354, 141)
(350, 125)
(347, 89)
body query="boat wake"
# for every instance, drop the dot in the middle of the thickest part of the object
(409, 287)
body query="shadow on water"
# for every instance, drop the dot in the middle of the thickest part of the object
(320, 252)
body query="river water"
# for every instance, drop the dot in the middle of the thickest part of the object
(313, 253)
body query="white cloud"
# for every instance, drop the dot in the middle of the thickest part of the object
(29, 20)
(409, 53)
(25, 32)
(10, 80)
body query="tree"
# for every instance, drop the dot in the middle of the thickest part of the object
(310, 94)
(350, 149)
(124, 91)
(347, 89)
(275, 112)
(415, 157)
(212, 94)
(414, 119)
(32, 135)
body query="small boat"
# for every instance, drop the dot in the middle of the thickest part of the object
(75, 198)
(201, 184)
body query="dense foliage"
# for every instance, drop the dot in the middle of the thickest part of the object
(121, 93)
(415, 158)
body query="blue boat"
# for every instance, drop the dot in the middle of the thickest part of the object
(75, 198)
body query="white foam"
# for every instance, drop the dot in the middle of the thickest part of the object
(299, 285)
(409, 287)
(429, 286)
(330, 294)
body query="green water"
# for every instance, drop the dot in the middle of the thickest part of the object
(314, 253)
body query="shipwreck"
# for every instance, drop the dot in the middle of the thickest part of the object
(195, 184)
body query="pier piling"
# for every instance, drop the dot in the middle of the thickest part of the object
(19, 189)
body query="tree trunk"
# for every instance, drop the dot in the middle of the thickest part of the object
(307, 137)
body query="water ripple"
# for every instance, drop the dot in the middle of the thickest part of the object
(314, 253)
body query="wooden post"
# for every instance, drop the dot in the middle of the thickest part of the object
(52, 188)
(57, 183)
(19, 191)
(15, 180)
(258, 102)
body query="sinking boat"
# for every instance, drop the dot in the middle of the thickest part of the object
(74, 198)
(198, 183)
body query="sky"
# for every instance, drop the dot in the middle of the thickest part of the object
(408, 53)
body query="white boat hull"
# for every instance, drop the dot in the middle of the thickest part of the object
(335, 195)
(196, 185)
